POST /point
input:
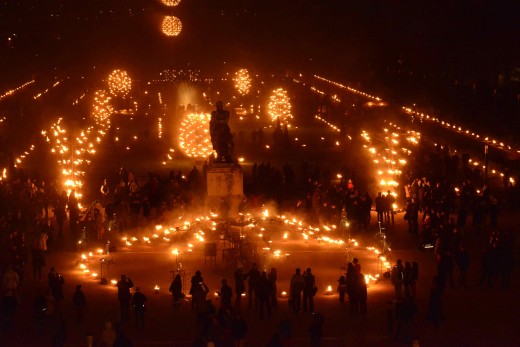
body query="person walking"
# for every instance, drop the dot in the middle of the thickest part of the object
(138, 302)
(296, 288)
(309, 290)
(80, 302)
(124, 296)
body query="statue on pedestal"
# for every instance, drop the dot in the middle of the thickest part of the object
(221, 137)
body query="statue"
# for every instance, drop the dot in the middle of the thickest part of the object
(221, 137)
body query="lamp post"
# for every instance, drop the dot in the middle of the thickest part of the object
(486, 159)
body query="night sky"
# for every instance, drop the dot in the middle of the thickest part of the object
(462, 38)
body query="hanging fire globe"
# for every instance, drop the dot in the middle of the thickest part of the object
(171, 26)
(242, 81)
(194, 137)
(171, 3)
(119, 83)
(279, 107)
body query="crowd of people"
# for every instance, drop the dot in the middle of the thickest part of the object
(34, 218)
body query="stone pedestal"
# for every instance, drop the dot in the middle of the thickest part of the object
(225, 189)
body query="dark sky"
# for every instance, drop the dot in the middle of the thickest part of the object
(467, 37)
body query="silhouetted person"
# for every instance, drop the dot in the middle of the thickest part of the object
(124, 296)
(295, 290)
(80, 302)
(309, 290)
(138, 302)
(253, 278)
(176, 289)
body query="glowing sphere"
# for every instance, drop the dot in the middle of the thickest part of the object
(279, 107)
(194, 138)
(171, 2)
(101, 108)
(171, 26)
(119, 83)
(242, 81)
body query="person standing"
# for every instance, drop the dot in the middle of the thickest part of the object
(80, 302)
(309, 290)
(38, 262)
(380, 207)
(342, 289)
(138, 302)
(407, 278)
(124, 296)
(357, 266)
(272, 278)
(363, 294)
(108, 335)
(389, 207)
(253, 278)
(42, 242)
(225, 294)
(59, 212)
(11, 283)
(239, 330)
(435, 314)
(414, 278)
(240, 287)
(263, 295)
(196, 282)
(200, 306)
(285, 329)
(56, 282)
(296, 288)
(462, 261)
(104, 190)
(316, 329)
(176, 289)
(396, 277)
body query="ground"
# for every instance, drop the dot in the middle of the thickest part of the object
(474, 316)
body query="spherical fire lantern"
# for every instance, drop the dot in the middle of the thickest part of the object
(101, 108)
(171, 3)
(242, 81)
(280, 106)
(194, 137)
(171, 26)
(119, 83)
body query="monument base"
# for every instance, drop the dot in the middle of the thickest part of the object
(225, 189)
